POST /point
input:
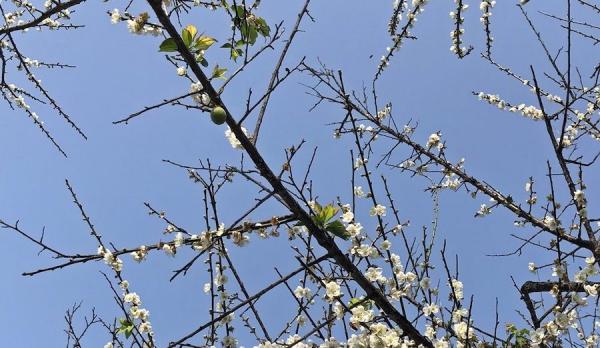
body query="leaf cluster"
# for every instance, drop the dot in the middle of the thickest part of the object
(324, 218)
(197, 44)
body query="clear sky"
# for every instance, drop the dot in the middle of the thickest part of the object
(120, 167)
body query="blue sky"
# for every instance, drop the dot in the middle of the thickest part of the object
(120, 167)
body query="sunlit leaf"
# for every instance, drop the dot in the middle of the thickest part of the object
(327, 213)
(192, 29)
(219, 73)
(204, 42)
(187, 37)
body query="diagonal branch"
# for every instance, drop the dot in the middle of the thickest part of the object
(321, 236)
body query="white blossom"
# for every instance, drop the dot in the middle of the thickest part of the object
(354, 229)
(132, 298)
(301, 292)
(332, 290)
(378, 210)
(431, 309)
(434, 140)
(358, 191)
(235, 143)
(115, 16)
(550, 223)
(375, 274)
(348, 216)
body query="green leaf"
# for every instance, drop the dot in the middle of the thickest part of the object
(126, 327)
(204, 42)
(192, 29)
(252, 35)
(168, 45)
(327, 213)
(244, 31)
(219, 73)
(520, 337)
(353, 301)
(249, 33)
(367, 304)
(187, 37)
(318, 218)
(338, 229)
(263, 27)
(240, 11)
(235, 53)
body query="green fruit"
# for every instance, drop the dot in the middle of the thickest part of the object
(218, 115)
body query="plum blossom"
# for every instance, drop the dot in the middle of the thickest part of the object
(378, 210)
(332, 290)
(233, 141)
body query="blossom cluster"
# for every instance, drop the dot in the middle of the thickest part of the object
(435, 140)
(451, 180)
(528, 111)
(137, 25)
(110, 259)
(136, 314)
(201, 98)
(16, 96)
(455, 34)
(25, 7)
(233, 140)
(485, 6)
(385, 112)
(398, 39)
(135, 310)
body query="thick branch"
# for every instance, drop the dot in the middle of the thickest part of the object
(321, 236)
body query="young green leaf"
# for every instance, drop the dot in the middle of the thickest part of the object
(187, 37)
(367, 304)
(168, 45)
(252, 34)
(204, 42)
(327, 213)
(240, 11)
(236, 53)
(219, 73)
(262, 27)
(338, 229)
(192, 29)
(126, 327)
